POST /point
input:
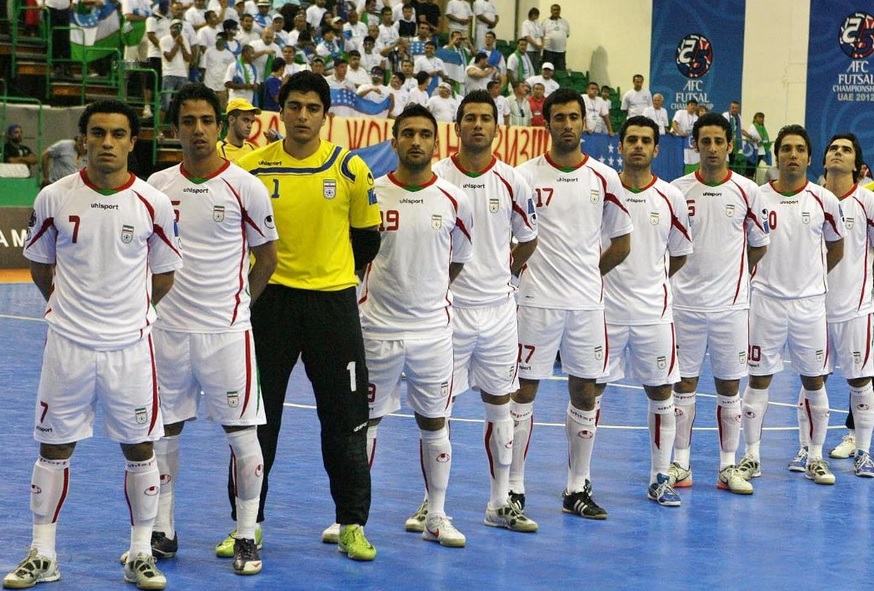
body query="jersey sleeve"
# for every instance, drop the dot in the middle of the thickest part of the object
(165, 252)
(617, 220)
(680, 236)
(758, 230)
(39, 245)
(833, 226)
(462, 244)
(524, 219)
(260, 225)
(867, 199)
(364, 208)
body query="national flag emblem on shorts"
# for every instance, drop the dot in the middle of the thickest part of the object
(819, 355)
(742, 358)
(849, 223)
(729, 211)
(444, 389)
(599, 353)
(594, 195)
(141, 415)
(805, 217)
(661, 362)
(218, 213)
(436, 221)
(654, 218)
(494, 204)
(234, 399)
(329, 188)
(857, 357)
(127, 234)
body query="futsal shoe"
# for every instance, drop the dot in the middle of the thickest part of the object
(509, 517)
(679, 476)
(416, 521)
(662, 493)
(331, 534)
(845, 449)
(247, 561)
(862, 465)
(817, 471)
(581, 503)
(518, 499)
(439, 528)
(142, 572)
(354, 544)
(749, 468)
(225, 548)
(731, 480)
(162, 547)
(799, 462)
(32, 570)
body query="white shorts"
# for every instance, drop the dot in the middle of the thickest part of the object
(798, 323)
(221, 365)
(580, 336)
(137, 53)
(849, 345)
(649, 350)
(427, 364)
(486, 344)
(723, 333)
(72, 380)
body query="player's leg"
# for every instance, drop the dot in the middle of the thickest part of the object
(849, 347)
(691, 330)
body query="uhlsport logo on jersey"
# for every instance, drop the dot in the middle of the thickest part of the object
(127, 234)
(436, 221)
(233, 399)
(329, 188)
(141, 415)
(857, 35)
(694, 55)
(494, 204)
(218, 213)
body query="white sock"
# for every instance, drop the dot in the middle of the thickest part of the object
(248, 477)
(498, 441)
(522, 414)
(684, 409)
(803, 422)
(371, 444)
(580, 429)
(728, 421)
(142, 484)
(50, 483)
(436, 452)
(167, 454)
(862, 403)
(662, 431)
(755, 404)
(817, 413)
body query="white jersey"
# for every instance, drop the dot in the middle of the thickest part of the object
(406, 287)
(795, 265)
(503, 208)
(575, 207)
(850, 285)
(725, 219)
(637, 291)
(220, 218)
(105, 246)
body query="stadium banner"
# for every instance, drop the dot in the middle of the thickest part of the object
(95, 32)
(840, 74)
(13, 231)
(697, 52)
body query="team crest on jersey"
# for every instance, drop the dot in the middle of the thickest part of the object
(436, 221)
(661, 362)
(127, 234)
(654, 218)
(141, 415)
(849, 222)
(218, 213)
(729, 211)
(494, 203)
(599, 353)
(805, 217)
(234, 399)
(329, 188)
(594, 195)
(857, 357)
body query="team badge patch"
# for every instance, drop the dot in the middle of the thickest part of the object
(444, 389)
(141, 415)
(127, 234)
(819, 355)
(494, 204)
(857, 357)
(599, 352)
(436, 221)
(805, 217)
(850, 222)
(329, 188)
(661, 362)
(218, 213)
(234, 399)
(594, 195)
(742, 358)
(729, 211)
(654, 218)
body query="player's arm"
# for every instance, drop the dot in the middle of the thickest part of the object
(675, 264)
(161, 285)
(29, 159)
(834, 252)
(454, 270)
(262, 270)
(42, 274)
(365, 245)
(619, 248)
(755, 254)
(520, 255)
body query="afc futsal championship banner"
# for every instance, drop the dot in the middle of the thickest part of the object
(840, 74)
(697, 52)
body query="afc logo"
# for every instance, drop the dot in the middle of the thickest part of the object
(857, 35)
(694, 55)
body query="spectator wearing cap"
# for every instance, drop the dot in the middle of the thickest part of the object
(241, 78)
(175, 60)
(214, 64)
(443, 105)
(264, 17)
(240, 115)
(354, 31)
(337, 24)
(299, 25)
(545, 78)
(431, 64)
(281, 35)
(376, 90)
(318, 66)
(339, 79)
(357, 74)
(315, 12)
(15, 152)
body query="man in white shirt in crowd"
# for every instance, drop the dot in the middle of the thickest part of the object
(636, 100)
(356, 72)
(399, 92)
(545, 78)
(658, 113)
(478, 74)
(487, 17)
(431, 64)
(175, 57)
(532, 31)
(501, 104)
(597, 111)
(556, 31)
(214, 64)
(519, 65)
(682, 126)
(443, 105)
(459, 16)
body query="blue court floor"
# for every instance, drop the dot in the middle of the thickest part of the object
(790, 534)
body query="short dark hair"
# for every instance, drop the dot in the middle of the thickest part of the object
(712, 119)
(476, 97)
(354, 53)
(401, 76)
(857, 147)
(533, 12)
(640, 121)
(195, 91)
(111, 106)
(307, 81)
(414, 110)
(422, 76)
(560, 97)
(792, 129)
(692, 101)
(278, 64)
